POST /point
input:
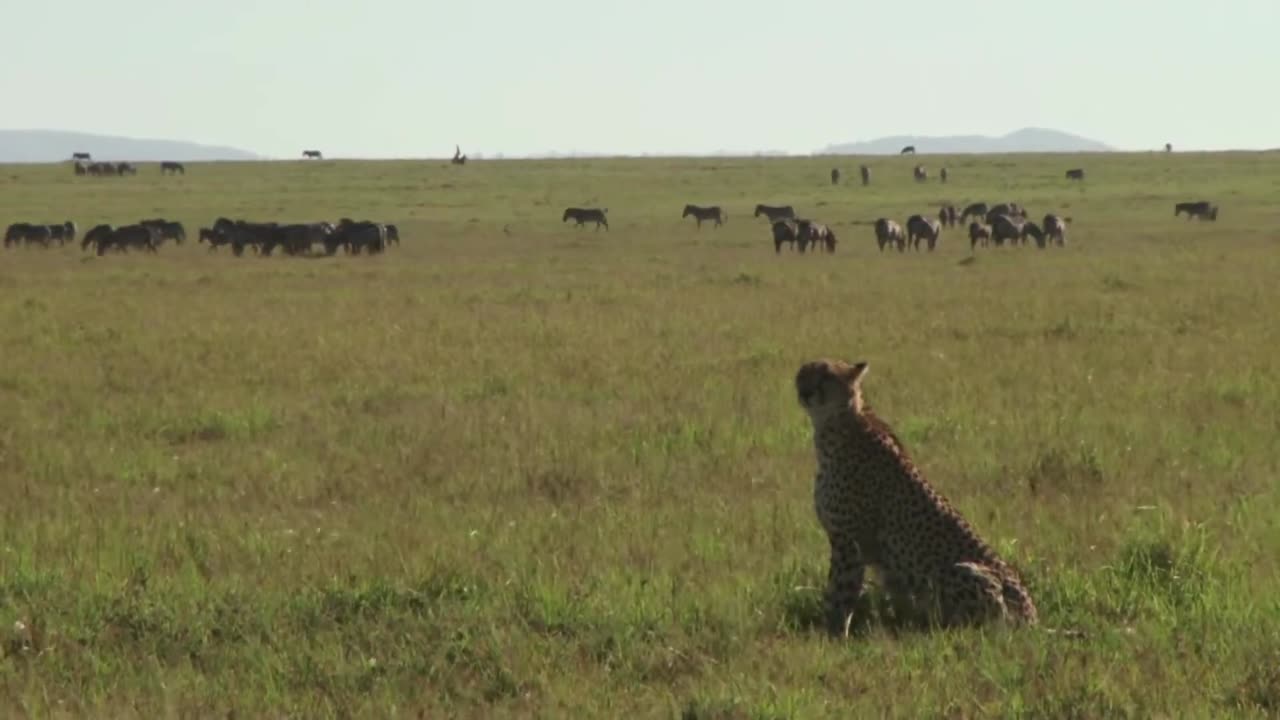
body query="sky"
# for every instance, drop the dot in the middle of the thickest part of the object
(410, 78)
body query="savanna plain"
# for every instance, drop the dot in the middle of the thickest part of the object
(511, 468)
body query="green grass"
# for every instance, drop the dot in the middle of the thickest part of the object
(551, 472)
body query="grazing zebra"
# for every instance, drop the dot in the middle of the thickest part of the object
(978, 232)
(705, 213)
(866, 174)
(921, 175)
(1055, 228)
(784, 230)
(948, 215)
(1201, 209)
(1075, 174)
(908, 150)
(889, 232)
(312, 154)
(1010, 209)
(586, 215)
(835, 176)
(809, 232)
(1006, 227)
(775, 214)
(978, 209)
(172, 168)
(920, 227)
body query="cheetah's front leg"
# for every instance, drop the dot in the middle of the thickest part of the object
(844, 584)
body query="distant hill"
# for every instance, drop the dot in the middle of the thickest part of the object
(1026, 140)
(25, 146)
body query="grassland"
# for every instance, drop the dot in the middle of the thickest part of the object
(514, 469)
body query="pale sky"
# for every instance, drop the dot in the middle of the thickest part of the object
(391, 78)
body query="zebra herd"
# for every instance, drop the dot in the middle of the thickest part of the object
(354, 237)
(263, 238)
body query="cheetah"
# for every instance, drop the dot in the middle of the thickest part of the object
(878, 510)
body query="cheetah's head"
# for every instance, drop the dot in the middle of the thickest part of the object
(827, 386)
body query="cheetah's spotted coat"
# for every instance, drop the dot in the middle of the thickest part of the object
(877, 509)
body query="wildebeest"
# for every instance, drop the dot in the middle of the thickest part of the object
(312, 154)
(172, 168)
(355, 236)
(1055, 228)
(890, 232)
(978, 210)
(835, 176)
(978, 232)
(942, 174)
(166, 230)
(920, 174)
(908, 150)
(809, 232)
(393, 234)
(1168, 147)
(81, 156)
(81, 168)
(920, 227)
(1075, 174)
(1201, 209)
(28, 233)
(1006, 227)
(458, 157)
(948, 215)
(700, 213)
(585, 215)
(124, 168)
(775, 213)
(784, 230)
(866, 174)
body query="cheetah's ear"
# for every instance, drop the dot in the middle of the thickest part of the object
(856, 373)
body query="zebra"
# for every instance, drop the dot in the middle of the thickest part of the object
(1056, 229)
(920, 227)
(705, 213)
(1201, 209)
(585, 215)
(978, 232)
(775, 213)
(889, 232)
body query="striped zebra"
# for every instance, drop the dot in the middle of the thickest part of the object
(775, 214)
(585, 215)
(1201, 209)
(705, 213)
